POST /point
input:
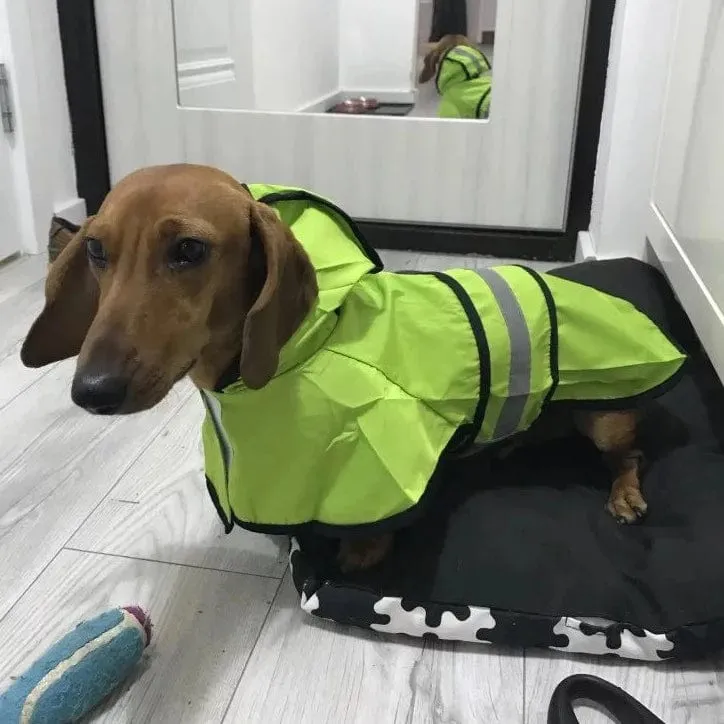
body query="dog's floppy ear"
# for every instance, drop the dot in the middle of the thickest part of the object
(71, 301)
(429, 66)
(288, 291)
(435, 53)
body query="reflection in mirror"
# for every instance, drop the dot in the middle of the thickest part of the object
(423, 58)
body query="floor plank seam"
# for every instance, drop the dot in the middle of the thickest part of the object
(141, 451)
(14, 603)
(45, 429)
(28, 387)
(252, 650)
(173, 563)
(91, 444)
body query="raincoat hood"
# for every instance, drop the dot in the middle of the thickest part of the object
(464, 83)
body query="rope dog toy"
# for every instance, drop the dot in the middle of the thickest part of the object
(78, 671)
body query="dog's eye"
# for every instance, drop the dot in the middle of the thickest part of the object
(96, 253)
(187, 252)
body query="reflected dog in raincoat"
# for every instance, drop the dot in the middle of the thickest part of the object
(462, 75)
(333, 388)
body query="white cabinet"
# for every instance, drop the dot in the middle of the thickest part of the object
(686, 214)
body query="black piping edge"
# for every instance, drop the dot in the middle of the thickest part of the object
(359, 530)
(553, 317)
(452, 60)
(620, 403)
(467, 434)
(479, 107)
(299, 195)
(627, 403)
(664, 289)
(462, 438)
(228, 525)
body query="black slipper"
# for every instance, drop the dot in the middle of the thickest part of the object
(612, 699)
(61, 232)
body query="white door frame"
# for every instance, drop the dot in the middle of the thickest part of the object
(683, 86)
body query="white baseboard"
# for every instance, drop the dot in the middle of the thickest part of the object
(321, 105)
(73, 210)
(383, 96)
(585, 247)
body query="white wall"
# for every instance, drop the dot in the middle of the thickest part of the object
(424, 23)
(481, 17)
(378, 45)
(699, 217)
(488, 13)
(42, 154)
(295, 52)
(271, 55)
(285, 55)
(633, 106)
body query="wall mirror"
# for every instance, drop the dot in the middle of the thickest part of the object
(343, 98)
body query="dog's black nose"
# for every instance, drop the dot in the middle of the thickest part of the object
(101, 394)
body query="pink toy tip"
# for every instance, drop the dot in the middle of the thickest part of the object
(143, 618)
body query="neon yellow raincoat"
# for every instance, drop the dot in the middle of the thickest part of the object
(390, 371)
(464, 83)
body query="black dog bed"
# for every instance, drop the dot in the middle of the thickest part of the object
(521, 552)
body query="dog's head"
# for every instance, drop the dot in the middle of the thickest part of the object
(180, 271)
(435, 53)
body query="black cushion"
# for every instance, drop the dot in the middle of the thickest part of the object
(528, 538)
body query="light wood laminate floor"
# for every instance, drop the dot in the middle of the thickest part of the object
(96, 513)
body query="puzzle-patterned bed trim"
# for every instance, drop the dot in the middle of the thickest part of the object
(350, 605)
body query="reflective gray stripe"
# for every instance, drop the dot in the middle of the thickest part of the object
(470, 55)
(520, 349)
(214, 409)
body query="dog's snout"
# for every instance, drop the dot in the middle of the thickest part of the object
(99, 393)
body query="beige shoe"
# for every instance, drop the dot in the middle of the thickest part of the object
(61, 232)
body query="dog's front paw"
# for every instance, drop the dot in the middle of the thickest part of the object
(358, 555)
(626, 504)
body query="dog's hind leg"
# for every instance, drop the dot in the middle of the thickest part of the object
(614, 434)
(361, 553)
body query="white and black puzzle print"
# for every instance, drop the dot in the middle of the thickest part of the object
(520, 552)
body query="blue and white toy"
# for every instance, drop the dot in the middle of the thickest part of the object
(79, 671)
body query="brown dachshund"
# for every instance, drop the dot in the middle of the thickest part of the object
(180, 273)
